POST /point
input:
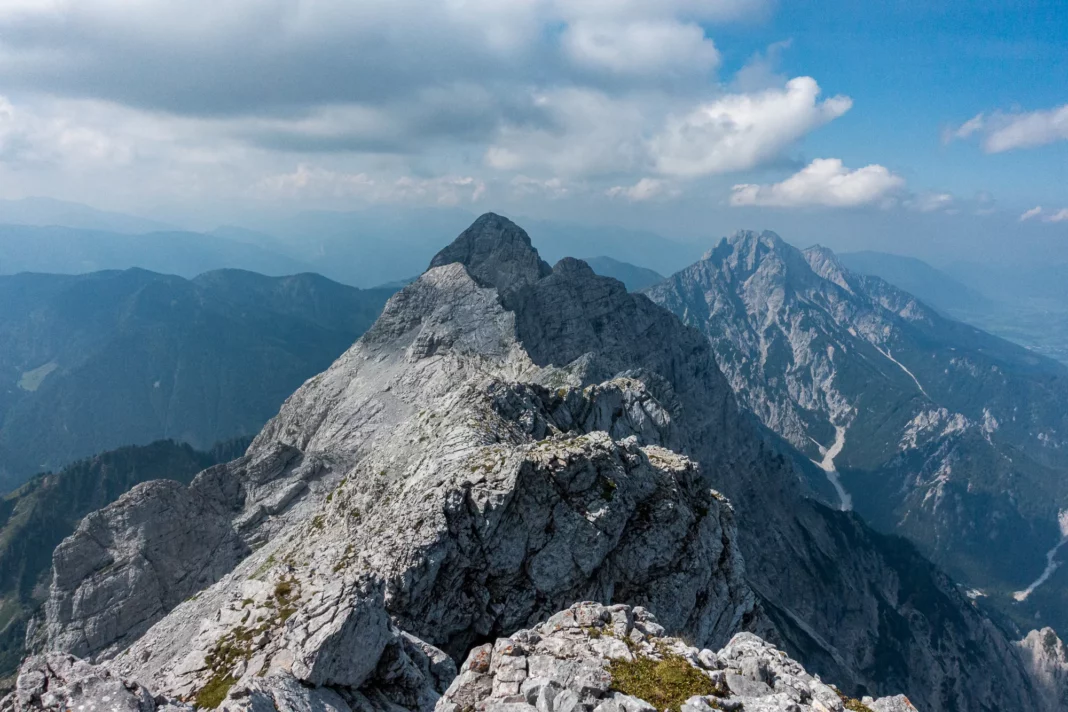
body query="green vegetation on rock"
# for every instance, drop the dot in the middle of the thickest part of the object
(666, 683)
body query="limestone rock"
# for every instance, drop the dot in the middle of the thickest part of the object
(1047, 656)
(590, 656)
(130, 563)
(60, 683)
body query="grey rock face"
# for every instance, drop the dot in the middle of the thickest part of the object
(60, 683)
(488, 454)
(130, 563)
(1047, 657)
(452, 491)
(497, 252)
(949, 436)
(582, 659)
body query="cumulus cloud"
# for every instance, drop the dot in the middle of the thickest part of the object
(1059, 216)
(1002, 132)
(641, 48)
(587, 132)
(29, 138)
(824, 182)
(740, 131)
(537, 95)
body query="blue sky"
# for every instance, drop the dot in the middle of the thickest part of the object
(922, 127)
(914, 68)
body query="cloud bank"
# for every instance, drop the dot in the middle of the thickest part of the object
(824, 182)
(1002, 132)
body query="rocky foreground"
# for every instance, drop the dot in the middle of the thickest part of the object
(587, 658)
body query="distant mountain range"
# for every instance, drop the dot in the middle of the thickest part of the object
(66, 250)
(38, 515)
(363, 248)
(1028, 306)
(93, 362)
(929, 284)
(47, 212)
(374, 246)
(636, 278)
(929, 428)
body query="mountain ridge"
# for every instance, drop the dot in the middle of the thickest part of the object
(931, 428)
(453, 462)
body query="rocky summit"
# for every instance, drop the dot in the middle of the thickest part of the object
(617, 659)
(508, 439)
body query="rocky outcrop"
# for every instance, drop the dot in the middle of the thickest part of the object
(60, 683)
(503, 442)
(599, 658)
(130, 563)
(587, 657)
(1047, 657)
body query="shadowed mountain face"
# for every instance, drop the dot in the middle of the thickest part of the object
(37, 516)
(506, 438)
(636, 278)
(98, 361)
(928, 427)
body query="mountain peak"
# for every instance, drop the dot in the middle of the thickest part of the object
(825, 263)
(496, 252)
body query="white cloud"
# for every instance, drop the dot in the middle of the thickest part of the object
(1032, 213)
(1002, 132)
(59, 138)
(554, 97)
(588, 132)
(969, 127)
(651, 48)
(762, 70)
(824, 182)
(932, 202)
(1037, 211)
(740, 131)
(710, 10)
(644, 189)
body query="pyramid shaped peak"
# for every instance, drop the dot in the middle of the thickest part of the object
(750, 244)
(742, 238)
(496, 252)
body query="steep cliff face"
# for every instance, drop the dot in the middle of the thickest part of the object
(1047, 656)
(506, 440)
(928, 427)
